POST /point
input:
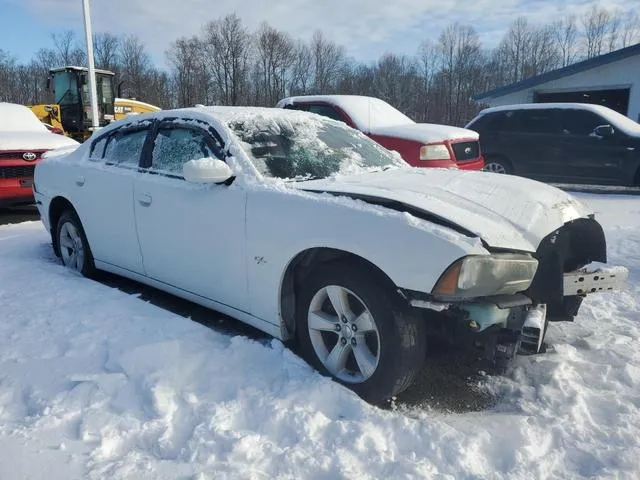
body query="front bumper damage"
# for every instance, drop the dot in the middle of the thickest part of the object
(501, 326)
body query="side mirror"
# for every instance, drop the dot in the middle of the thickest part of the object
(604, 131)
(206, 170)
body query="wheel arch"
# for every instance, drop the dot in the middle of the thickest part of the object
(303, 264)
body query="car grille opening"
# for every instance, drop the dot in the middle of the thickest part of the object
(19, 155)
(16, 172)
(466, 150)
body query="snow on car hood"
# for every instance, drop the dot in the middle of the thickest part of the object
(425, 132)
(503, 210)
(33, 141)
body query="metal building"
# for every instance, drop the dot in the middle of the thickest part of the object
(612, 80)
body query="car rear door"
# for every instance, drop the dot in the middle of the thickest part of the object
(103, 196)
(533, 137)
(192, 236)
(588, 157)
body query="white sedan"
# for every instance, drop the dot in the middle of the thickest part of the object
(310, 231)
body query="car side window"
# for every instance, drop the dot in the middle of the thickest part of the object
(326, 111)
(535, 121)
(125, 147)
(97, 148)
(175, 146)
(580, 122)
(297, 106)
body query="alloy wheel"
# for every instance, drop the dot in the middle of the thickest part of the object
(71, 247)
(344, 334)
(495, 167)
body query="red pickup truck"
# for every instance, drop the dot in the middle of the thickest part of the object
(419, 144)
(23, 141)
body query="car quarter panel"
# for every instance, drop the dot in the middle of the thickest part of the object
(281, 223)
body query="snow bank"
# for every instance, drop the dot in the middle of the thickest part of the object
(95, 383)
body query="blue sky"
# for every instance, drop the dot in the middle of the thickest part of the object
(367, 28)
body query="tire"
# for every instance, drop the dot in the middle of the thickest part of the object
(498, 165)
(73, 246)
(378, 362)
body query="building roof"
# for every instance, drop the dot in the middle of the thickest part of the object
(579, 67)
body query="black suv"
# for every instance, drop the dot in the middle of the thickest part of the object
(563, 142)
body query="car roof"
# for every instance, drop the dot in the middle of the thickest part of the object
(366, 113)
(545, 106)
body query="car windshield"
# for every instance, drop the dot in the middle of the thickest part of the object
(298, 148)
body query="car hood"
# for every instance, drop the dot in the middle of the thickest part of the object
(505, 211)
(425, 132)
(33, 141)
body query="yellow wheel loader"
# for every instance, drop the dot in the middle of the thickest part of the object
(70, 112)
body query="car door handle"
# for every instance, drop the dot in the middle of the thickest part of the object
(80, 181)
(144, 200)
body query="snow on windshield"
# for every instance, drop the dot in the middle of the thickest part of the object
(297, 147)
(18, 118)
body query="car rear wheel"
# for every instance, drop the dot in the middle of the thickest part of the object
(497, 165)
(72, 244)
(357, 332)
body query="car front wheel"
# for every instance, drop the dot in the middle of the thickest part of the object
(72, 244)
(355, 330)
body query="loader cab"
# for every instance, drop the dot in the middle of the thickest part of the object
(70, 88)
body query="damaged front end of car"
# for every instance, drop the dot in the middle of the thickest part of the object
(499, 305)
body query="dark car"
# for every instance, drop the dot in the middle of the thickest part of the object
(563, 142)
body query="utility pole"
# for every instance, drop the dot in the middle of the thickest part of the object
(93, 93)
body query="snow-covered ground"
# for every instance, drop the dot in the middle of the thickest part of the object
(95, 383)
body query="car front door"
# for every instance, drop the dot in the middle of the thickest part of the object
(192, 236)
(103, 196)
(590, 157)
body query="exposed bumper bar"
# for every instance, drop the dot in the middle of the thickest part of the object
(585, 280)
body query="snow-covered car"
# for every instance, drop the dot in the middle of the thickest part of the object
(310, 231)
(23, 141)
(561, 142)
(419, 144)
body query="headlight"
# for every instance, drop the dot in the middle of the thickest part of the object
(435, 152)
(485, 275)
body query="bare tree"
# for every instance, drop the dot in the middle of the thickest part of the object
(135, 64)
(328, 58)
(301, 77)
(461, 70)
(566, 37)
(596, 24)
(427, 65)
(191, 79)
(275, 57)
(227, 44)
(106, 50)
(630, 33)
(67, 48)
